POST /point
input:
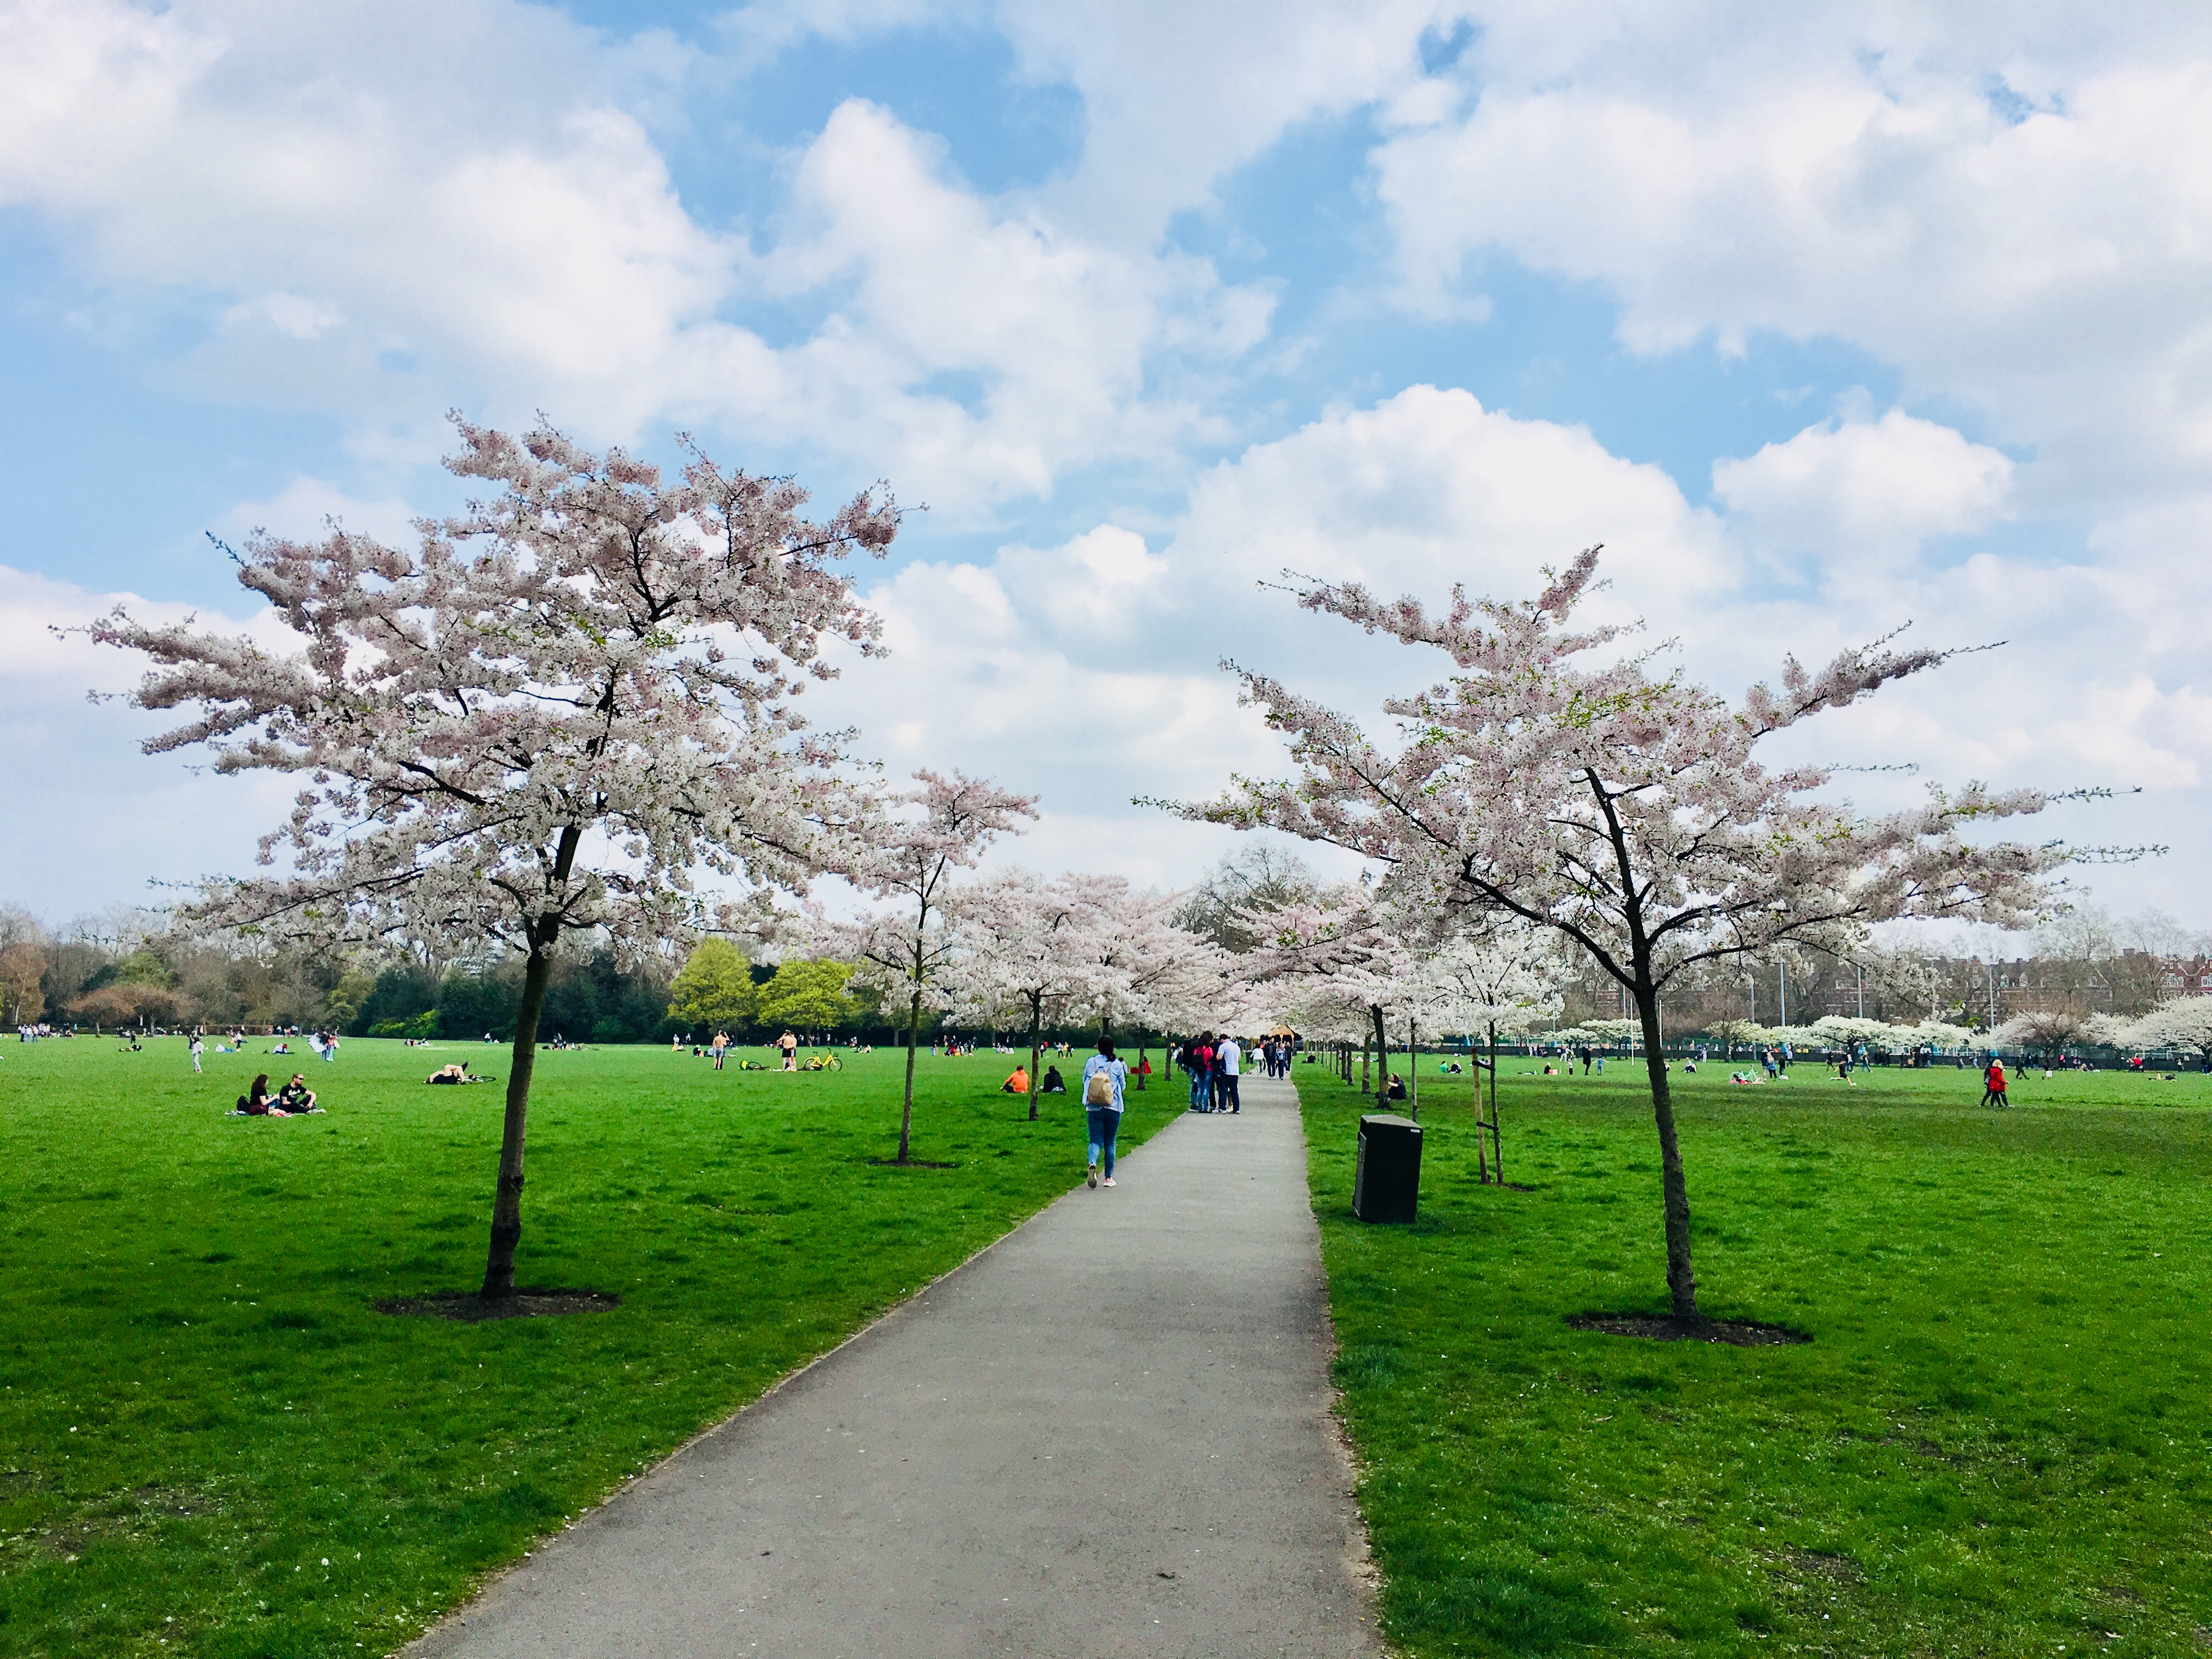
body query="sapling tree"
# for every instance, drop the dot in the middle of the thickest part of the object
(939, 827)
(1552, 781)
(540, 722)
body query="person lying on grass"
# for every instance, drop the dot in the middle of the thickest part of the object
(457, 1073)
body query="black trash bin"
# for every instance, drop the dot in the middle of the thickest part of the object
(1387, 1183)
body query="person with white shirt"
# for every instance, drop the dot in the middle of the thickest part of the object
(1227, 1055)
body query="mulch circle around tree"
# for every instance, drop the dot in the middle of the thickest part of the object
(1658, 1328)
(470, 1308)
(911, 1163)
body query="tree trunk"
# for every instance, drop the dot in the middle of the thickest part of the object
(1382, 1061)
(506, 1199)
(1037, 1019)
(1481, 1164)
(1413, 1069)
(913, 1037)
(1364, 1079)
(1681, 1279)
(1496, 1146)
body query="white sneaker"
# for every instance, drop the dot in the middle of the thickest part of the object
(1092, 1177)
(1109, 1181)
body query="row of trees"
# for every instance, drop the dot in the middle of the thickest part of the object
(571, 712)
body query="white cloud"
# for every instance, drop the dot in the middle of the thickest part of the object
(303, 508)
(92, 819)
(2015, 207)
(1429, 488)
(1860, 494)
(1176, 96)
(491, 203)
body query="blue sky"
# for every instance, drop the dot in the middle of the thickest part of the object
(1822, 321)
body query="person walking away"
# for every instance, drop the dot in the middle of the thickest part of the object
(1232, 1055)
(1104, 1078)
(198, 1049)
(1993, 1082)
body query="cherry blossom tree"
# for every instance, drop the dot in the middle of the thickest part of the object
(2183, 1024)
(939, 827)
(1507, 980)
(1343, 951)
(541, 722)
(1022, 941)
(1575, 789)
(1145, 970)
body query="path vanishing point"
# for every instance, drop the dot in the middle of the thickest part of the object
(1108, 1435)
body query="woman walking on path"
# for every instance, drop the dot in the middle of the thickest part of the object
(1104, 1078)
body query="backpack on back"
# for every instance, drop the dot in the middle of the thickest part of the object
(1099, 1092)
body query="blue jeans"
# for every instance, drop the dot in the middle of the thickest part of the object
(1201, 1092)
(1105, 1123)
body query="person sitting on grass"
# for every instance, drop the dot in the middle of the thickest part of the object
(1742, 1077)
(1054, 1083)
(296, 1098)
(1397, 1089)
(254, 1102)
(1019, 1083)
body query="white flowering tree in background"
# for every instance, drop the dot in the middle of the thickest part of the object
(1343, 950)
(1145, 970)
(1552, 782)
(540, 722)
(1019, 940)
(936, 829)
(1504, 982)
(2183, 1025)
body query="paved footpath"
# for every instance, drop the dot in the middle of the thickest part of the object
(1108, 1435)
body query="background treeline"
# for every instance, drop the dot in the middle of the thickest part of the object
(126, 966)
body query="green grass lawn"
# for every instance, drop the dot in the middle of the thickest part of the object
(210, 1444)
(1999, 1441)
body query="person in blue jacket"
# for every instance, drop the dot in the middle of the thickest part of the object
(1104, 1078)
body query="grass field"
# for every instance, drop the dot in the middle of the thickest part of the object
(1999, 1441)
(210, 1445)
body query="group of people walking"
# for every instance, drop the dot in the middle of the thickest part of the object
(1214, 1062)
